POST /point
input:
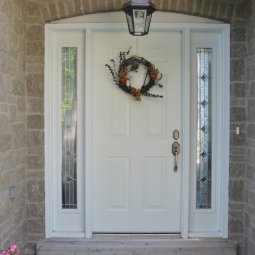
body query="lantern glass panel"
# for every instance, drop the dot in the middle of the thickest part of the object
(130, 23)
(139, 20)
(147, 24)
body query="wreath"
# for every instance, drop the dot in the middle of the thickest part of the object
(126, 65)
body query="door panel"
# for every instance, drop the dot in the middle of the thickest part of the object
(67, 133)
(134, 186)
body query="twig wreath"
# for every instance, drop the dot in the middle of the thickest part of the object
(121, 77)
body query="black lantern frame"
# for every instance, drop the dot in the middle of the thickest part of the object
(138, 14)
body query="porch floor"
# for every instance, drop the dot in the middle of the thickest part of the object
(135, 245)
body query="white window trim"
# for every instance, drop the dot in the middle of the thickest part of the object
(224, 120)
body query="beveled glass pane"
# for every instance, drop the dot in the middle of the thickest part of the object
(69, 127)
(204, 129)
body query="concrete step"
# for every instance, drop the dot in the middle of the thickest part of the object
(136, 246)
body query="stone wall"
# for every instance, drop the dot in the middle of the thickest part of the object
(40, 12)
(249, 243)
(12, 122)
(35, 127)
(238, 118)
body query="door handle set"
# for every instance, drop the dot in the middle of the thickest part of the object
(175, 149)
(176, 152)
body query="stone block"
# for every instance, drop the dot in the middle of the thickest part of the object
(250, 62)
(236, 190)
(237, 151)
(251, 90)
(242, 126)
(214, 9)
(241, 11)
(237, 140)
(69, 6)
(250, 31)
(61, 10)
(4, 108)
(33, 9)
(18, 88)
(35, 64)
(172, 5)
(35, 174)
(35, 121)
(230, 11)
(251, 248)
(35, 237)
(238, 102)
(94, 6)
(35, 32)
(5, 123)
(45, 13)
(53, 11)
(35, 191)
(239, 90)
(35, 210)
(4, 80)
(251, 47)
(21, 105)
(238, 34)
(251, 131)
(237, 72)
(19, 135)
(251, 198)
(222, 12)
(237, 170)
(35, 85)
(238, 114)
(251, 110)
(87, 7)
(182, 5)
(236, 225)
(35, 162)
(236, 206)
(35, 48)
(78, 7)
(35, 138)
(35, 226)
(250, 172)
(36, 150)
(5, 142)
(237, 158)
(206, 7)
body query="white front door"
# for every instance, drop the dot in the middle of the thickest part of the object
(135, 188)
(109, 166)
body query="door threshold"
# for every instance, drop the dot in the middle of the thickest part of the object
(135, 236)
(120, 237)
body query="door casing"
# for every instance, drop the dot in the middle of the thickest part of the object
(186, 29)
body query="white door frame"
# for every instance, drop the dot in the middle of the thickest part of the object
(186, 29)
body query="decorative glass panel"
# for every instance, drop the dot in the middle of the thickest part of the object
(204, 129)
(139, 20)
(69, 127)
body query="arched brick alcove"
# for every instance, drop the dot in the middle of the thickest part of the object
(40, 12)
(56, 9)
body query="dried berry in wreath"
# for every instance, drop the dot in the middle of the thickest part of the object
(126, 65)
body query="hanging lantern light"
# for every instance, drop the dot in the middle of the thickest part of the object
(138, 14)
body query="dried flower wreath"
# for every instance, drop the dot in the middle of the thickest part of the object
(126, 65)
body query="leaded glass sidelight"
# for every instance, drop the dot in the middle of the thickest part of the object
(69, 127)
(204, 129)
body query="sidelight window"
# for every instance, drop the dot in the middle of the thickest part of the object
(69, 127)
(204, 129)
